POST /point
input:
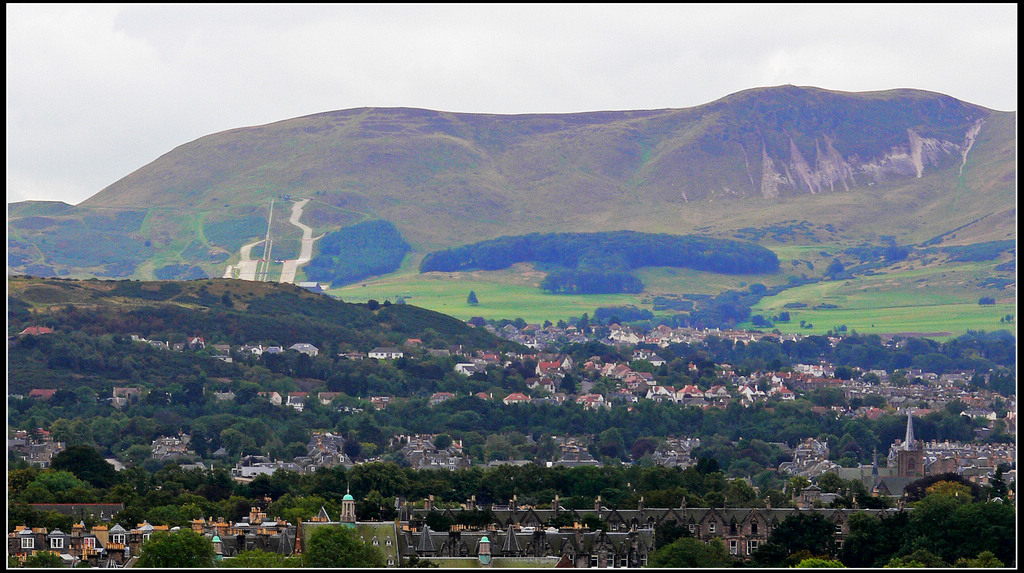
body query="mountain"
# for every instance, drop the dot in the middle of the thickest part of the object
(905, 163)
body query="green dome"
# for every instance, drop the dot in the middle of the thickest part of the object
(484, 539)
(348, 497)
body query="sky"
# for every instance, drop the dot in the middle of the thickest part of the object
(95, 92)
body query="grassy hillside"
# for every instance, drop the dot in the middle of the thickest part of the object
(803, 171)
(229, 310)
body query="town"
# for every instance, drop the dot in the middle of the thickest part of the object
(549, 532)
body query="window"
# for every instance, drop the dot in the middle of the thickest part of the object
(376, 542)
(388, 542)
(117, 538)
(733, 546)
(753, 528)
(57, 543)
(839, 528)
(839, 545)
(145, 536)
(593, 560)
(89, 542)
(751, 546)
(711, 527)
(691, 527)
(28, 542)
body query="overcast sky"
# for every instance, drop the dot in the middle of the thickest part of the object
(95, 92)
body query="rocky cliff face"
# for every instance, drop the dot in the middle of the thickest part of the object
(832, 172)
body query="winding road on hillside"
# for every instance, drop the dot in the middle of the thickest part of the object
(246, 267)
(249, 269)
(306, 251)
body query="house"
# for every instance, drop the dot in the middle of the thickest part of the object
(516, 398)
(717, 392)
(380, 402)
(196, 343)
(171, 447)
(273, 350)
(36, 331)
(274, 397)
(467, 368)
(224, 396)
(439, 397)
(122, 396)
(42, 393)
(386, 353)
(550, 368)
(312, 286)
(327, 397)
(592, 401)
(661, 394)
(305, 348)
(785, 393)
(296, 400)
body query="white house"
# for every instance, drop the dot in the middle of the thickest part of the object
(385, 353)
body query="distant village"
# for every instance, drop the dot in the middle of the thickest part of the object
(620, 384)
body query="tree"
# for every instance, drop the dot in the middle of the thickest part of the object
(471, 299)
(919, 558)
(984, 560)
(340, 546)
(44, 559)
(182, 548)
(818, 563)
(86, 463)
(835, 267)
(811, 532)
(690, 552)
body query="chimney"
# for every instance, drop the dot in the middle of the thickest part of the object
(597, 505)
(640, 505)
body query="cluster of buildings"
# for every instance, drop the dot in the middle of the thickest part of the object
(37, 447)
(517, 536)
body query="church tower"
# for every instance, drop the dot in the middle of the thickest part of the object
(910, 457)
(348, 508)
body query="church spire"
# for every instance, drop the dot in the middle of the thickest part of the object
(908, 443)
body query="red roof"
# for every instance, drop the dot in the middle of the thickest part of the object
(37, 330)
(42, 393)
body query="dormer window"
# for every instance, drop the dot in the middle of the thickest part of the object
(28, 542)
(711, 527)
(753, 528)
(57, 543)
(117, 538)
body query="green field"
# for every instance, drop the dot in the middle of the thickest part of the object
(912, 296)
(501, 294)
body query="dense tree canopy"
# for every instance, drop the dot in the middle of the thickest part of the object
(182, 548)
(339, 546)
